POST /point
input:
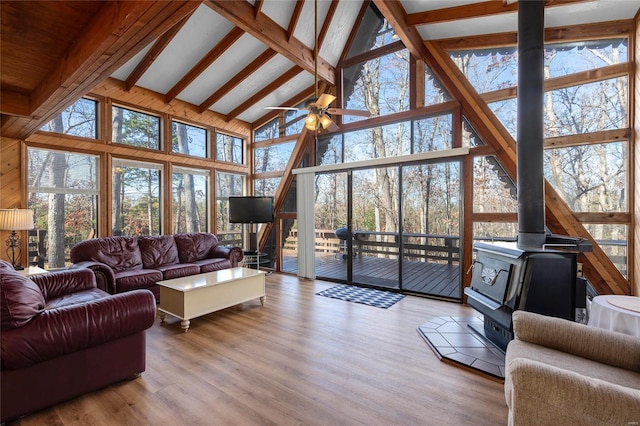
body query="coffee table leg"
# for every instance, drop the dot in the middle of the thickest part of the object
(162, 317)
(262, 299)
(185, 325)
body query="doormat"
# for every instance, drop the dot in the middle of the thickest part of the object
(453, 340)
(365, 296)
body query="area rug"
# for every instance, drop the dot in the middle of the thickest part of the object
(365, 296)
(452, 340)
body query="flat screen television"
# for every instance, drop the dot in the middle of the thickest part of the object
(250, 209)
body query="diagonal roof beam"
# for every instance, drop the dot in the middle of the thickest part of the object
(117, 32)
(267, 31)
(599, 269)
(295, 17)
(266, 90)
(237, 79)
(204, 63)
(153, 53)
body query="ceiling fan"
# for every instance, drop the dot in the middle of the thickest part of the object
(319, 116)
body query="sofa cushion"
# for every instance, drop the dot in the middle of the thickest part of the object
(141, 278)
(119, 253)
(158, 250)
(78, 297)
(178, 270)
(210, 265)
(194, 246)
(20, 300)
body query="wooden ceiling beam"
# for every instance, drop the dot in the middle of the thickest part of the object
(237, 79)
(265, 91)
(153, 53)
(474, 10)
(14, 103)
(117, 32)
(560, 219)
(263, 28)
(204, 63)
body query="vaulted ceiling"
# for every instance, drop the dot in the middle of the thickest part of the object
(231, 57)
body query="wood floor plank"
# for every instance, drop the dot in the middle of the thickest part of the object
(301, 359)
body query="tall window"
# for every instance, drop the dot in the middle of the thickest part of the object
(229, 148)
(188, 140)
(136, 198)
(80, 119)
(190, 200)
(135, 128)
(63, 193)
(228, 184)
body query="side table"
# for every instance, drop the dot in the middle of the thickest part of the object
(616, 313)
(32, 270)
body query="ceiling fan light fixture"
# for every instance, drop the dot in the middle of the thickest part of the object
(311, 122)
(325, 121)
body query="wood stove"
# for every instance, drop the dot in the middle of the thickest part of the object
(506, 278)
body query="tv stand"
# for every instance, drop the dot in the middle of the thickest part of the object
(253, 258)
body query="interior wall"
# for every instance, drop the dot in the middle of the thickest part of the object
(11, 194)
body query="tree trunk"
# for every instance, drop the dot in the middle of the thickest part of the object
(55, 216)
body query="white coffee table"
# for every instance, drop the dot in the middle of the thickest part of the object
(196, 295)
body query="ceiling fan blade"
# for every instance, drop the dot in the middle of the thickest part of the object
(342, 111)
(285, 108)
(333, 127)
(324, 100)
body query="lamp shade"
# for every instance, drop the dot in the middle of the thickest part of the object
(16, 219)
(311, 121)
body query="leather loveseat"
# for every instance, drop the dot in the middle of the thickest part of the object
(61, 337)
(127, 263)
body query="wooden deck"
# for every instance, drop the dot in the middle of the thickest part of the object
(437, 279)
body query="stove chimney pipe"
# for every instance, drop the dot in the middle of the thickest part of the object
(530, 134)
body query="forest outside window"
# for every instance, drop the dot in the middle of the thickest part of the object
(135, 128)
(63, 193)
(136, 198)
(189, 140)
(190, 200)
(80, 119)
(229, 148)
(227, 185)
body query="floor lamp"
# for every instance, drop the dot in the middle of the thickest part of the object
(15, 220)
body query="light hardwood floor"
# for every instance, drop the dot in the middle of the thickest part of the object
(301, 359)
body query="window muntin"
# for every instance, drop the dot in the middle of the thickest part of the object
(227, 185)
(590, 178)
(63, 193)
(229, 149)
(433, 133)
(567, 58)
(135, 128)
(136, 206)
(189, 140)
(273, 157)
(80, 119)
(379, 85)
(493, 189)
(268, 131)
(190, 200)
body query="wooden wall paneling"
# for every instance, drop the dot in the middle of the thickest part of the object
(11, 191)
(634, 169)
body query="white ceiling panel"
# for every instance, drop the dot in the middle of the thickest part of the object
(279, 11)
(339, 30)
(224, 68)
(265, 75)
(506, 22)
(582, 13)
(305, 28)
(415, 6)
(123, 72)
(196, 38)
(287, 91)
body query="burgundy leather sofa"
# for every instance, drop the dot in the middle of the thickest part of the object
(61, 337)
(127, 263)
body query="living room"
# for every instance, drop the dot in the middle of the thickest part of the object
(118, 77)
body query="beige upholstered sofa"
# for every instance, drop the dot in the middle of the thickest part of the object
(563, 373)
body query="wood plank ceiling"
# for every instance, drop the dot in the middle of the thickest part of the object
(237, 57)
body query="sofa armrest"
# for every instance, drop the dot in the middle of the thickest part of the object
(105, 277)
(608, 347)
(58, 283)
(234, 254)
(539, 394)
(72, 328)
